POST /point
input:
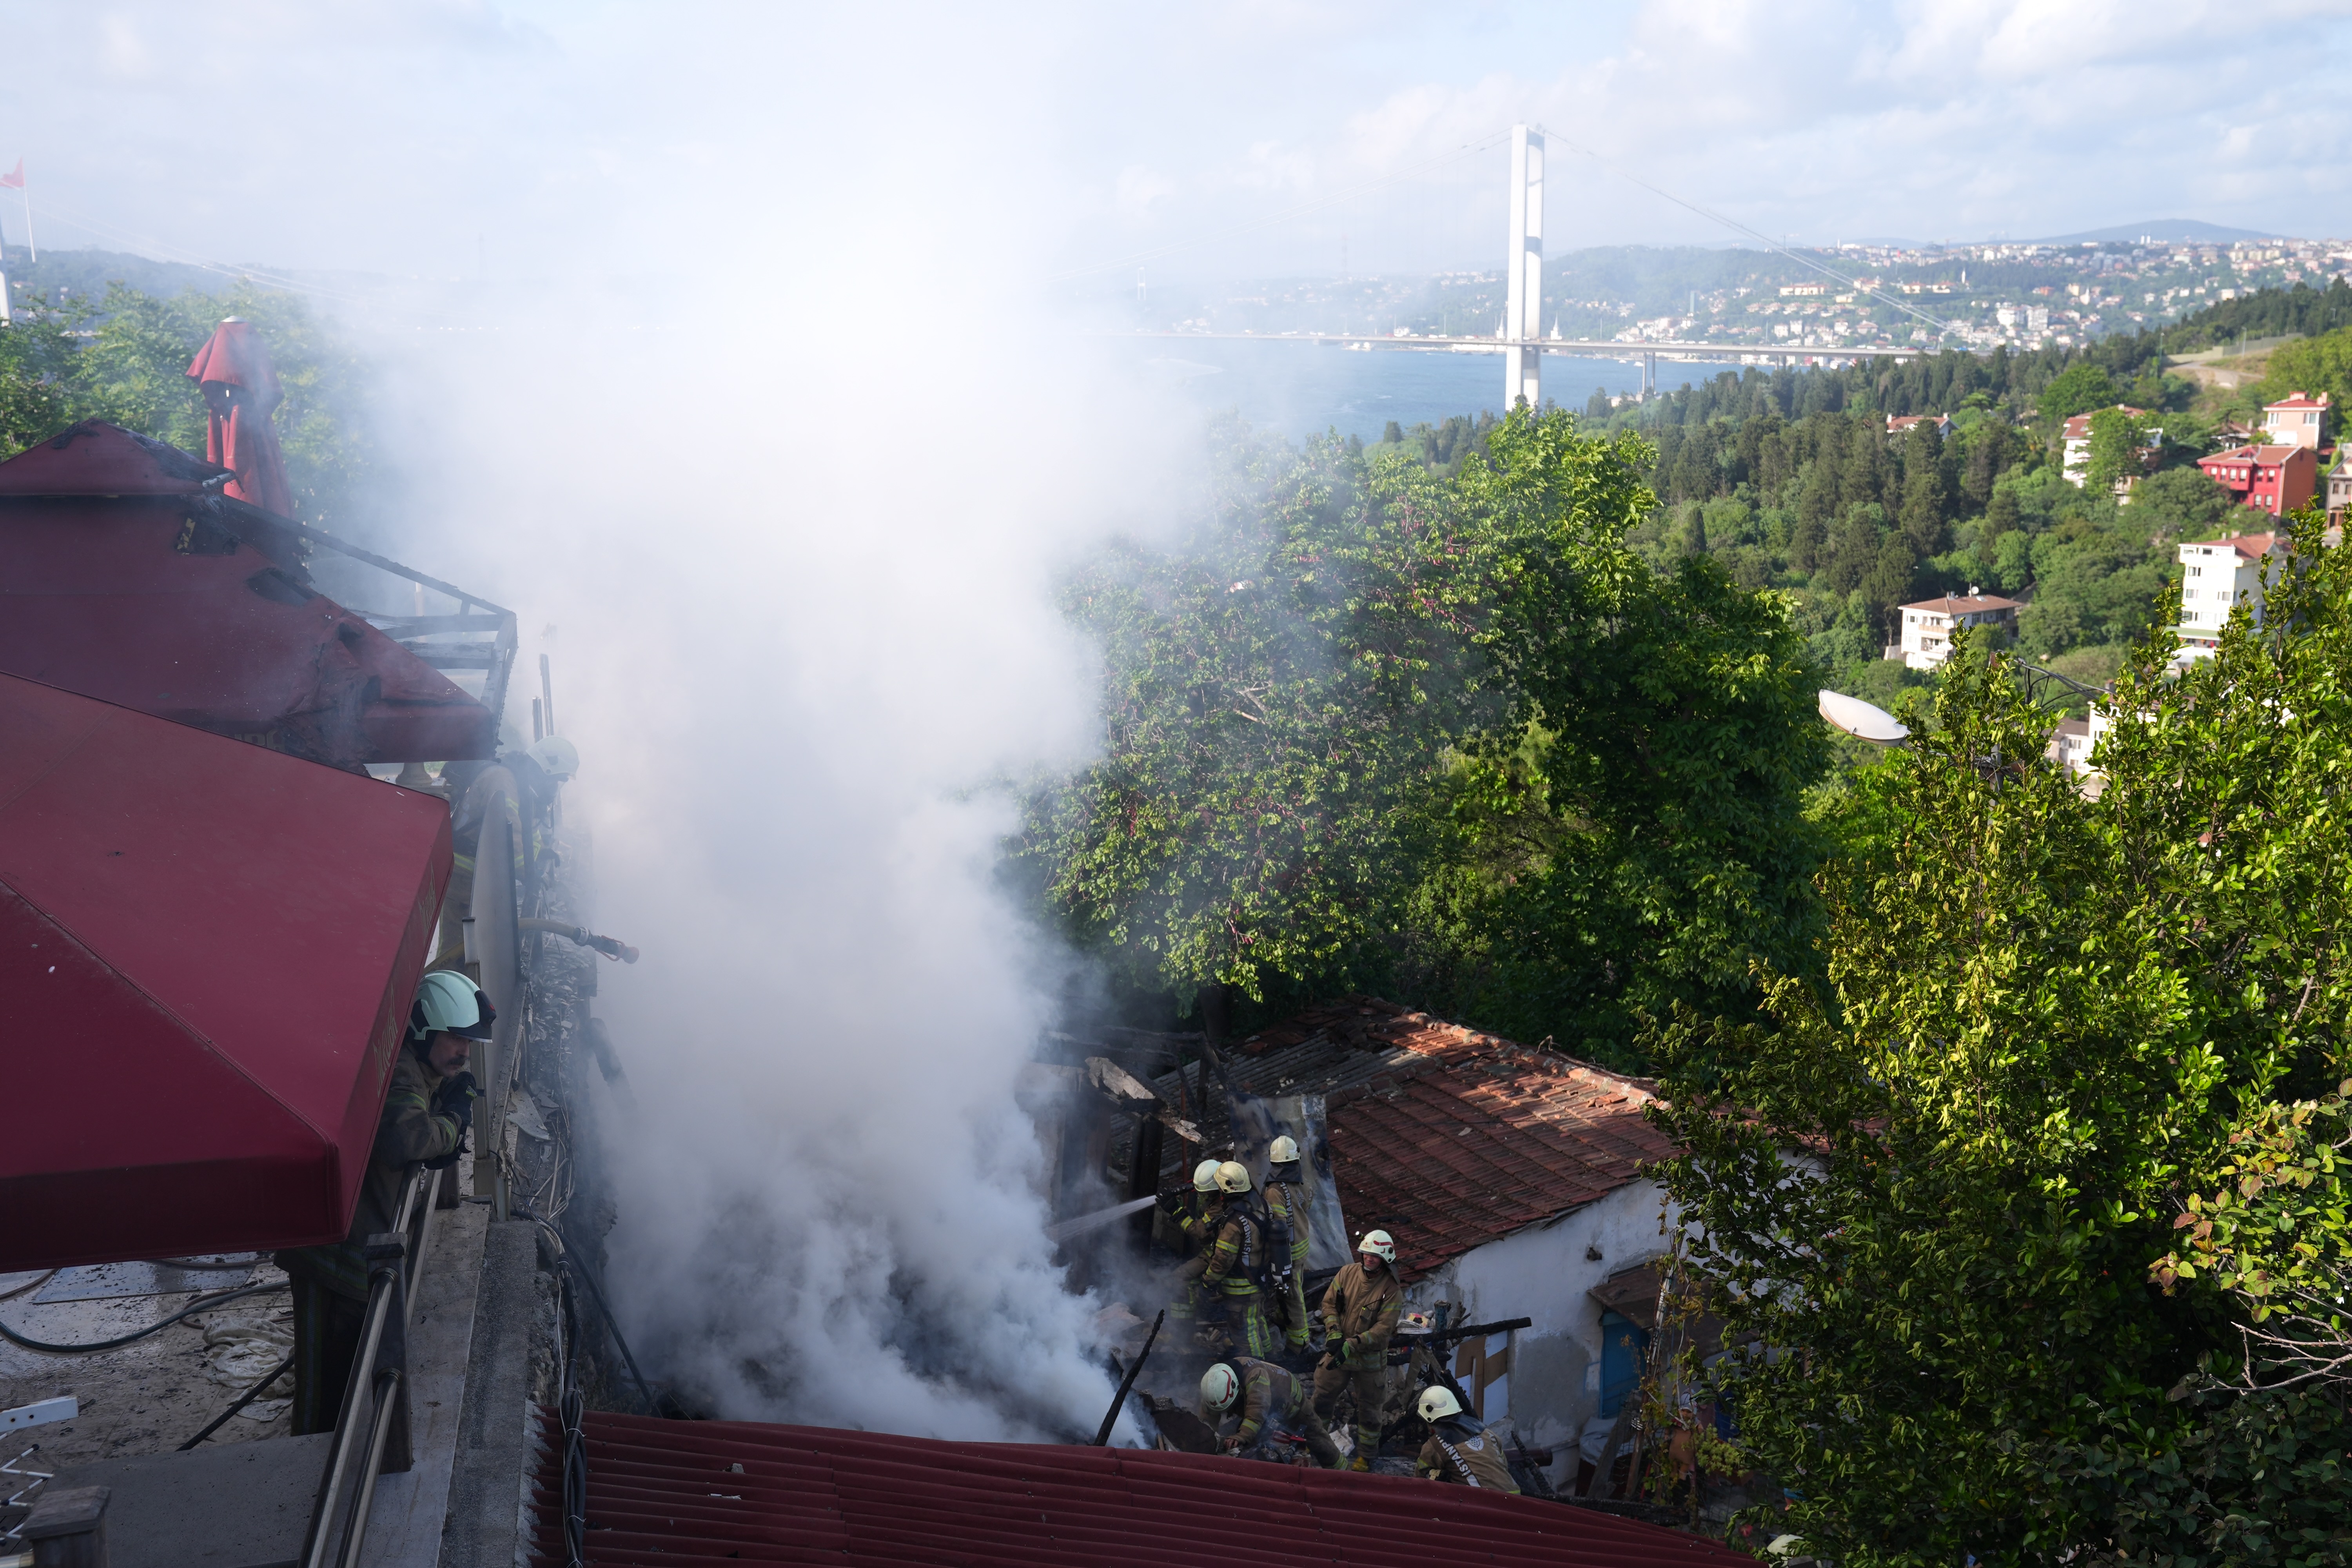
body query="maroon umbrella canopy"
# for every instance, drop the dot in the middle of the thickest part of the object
(207, 952)
(123, 578)
(241, 392)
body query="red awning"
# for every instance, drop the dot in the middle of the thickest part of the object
(124, 579)
(206, 954)
(669, 1492)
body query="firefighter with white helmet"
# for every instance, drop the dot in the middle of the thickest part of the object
(1197, 1214)
(1273, 1402)
(1459, 1449)
(1359, 1315)
(1234, 1271)
(1285, 1207)
(428, 1105)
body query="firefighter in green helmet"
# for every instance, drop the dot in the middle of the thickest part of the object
(427, 1107)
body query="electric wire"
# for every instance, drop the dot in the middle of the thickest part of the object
(14, 1338)
(247, 1397)
(15, 1291)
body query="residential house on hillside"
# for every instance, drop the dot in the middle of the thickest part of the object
(2216, 576)
(1927, 625)
(2077, 464)
(2339, 487)
(2275, 480)
(1901, 424)
(2296, 420)
(1513, 1179)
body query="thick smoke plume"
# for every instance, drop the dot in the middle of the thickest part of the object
(792, 546)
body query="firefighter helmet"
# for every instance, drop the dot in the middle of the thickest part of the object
(557, 757)
(1380, 1243)
(449, 1002)
(1437, 1402)
(1232, 1176)
(1219, 1385)
(1204, 1176)
(1283, 1151)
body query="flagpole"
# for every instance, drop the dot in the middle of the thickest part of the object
(35, 250)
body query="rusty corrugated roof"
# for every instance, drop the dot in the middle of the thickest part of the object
(671, 1492)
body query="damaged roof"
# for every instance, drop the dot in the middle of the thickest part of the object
(1444, 1136)
(705, 1491)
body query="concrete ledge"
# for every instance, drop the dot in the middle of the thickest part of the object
(235, 1505)
(486, 1485)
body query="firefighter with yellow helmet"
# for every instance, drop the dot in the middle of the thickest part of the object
(1273, 1402)
(1459, 1450)
(1196, 1214)
(1359, 1315)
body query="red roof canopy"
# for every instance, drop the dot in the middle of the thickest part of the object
(669, 1492)
(120, 579)
(206, 953)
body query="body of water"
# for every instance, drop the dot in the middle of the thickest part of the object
(1303, 389)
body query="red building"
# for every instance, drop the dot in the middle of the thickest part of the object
(2275, 480)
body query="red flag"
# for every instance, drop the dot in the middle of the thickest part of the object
(13, 180)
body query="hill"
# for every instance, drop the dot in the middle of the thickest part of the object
(2166, 230)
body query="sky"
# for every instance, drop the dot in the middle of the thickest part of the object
(460, 137)
(700, 428)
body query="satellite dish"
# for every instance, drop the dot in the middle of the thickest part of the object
(1862, 720)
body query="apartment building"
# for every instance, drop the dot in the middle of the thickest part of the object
(2297, 420)
(1927, 625)
(2217, 575)
(2272, 478)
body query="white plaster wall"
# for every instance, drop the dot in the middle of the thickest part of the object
(1543, 1273)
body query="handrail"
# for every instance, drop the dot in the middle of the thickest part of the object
(376, 1397)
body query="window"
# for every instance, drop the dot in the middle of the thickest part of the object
(1624, 1346)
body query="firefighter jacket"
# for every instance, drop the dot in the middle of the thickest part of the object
(1462, 1451)
(1270, 1396)
(408, 1131)
(1236, 1260)
(1361, 1311)
(1287, 1201)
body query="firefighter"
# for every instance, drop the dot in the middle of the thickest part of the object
(427, 1111)
(1286, 1202)
(1193, 1221)
(1360, 1314)
(1274, 1403)
(1197, 1216)
(1232, 1272)
(1459, 1451)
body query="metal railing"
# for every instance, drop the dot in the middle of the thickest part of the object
(372, 1432)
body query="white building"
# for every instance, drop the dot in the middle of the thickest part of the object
(1927, 625)
(1536, 1204)
(2075, 465)
(2217, 575)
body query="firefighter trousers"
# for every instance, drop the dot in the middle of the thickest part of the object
(1371, 1389)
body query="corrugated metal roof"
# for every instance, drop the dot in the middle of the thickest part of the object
(1446, 1137)
(667, 1492)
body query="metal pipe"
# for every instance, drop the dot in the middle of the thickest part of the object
(387, 1401)
(347, 1429)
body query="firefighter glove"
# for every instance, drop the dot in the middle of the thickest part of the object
(455, 1098)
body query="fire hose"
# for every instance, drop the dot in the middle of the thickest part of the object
(611, 947)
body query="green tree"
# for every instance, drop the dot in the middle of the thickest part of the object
(1376, 724)
(2313, 365)
(2118, 450)
(2043, 1014)
(2077, 389)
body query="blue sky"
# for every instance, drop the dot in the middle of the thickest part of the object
(427, 136)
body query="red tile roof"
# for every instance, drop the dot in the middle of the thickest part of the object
(2251, 546)
(1466, 1138)
(670, 1492)
(1964, 604)
(2299, 400)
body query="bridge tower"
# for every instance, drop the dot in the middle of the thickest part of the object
(1523, 278)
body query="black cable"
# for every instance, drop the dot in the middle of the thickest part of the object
(14, 1338)
(247, 1397)
(563, 1257)
(195, 1267)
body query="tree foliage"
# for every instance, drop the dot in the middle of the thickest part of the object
(1929, 1193)
(1372, 724)
(126, 360)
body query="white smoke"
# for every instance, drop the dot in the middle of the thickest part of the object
(792, 504)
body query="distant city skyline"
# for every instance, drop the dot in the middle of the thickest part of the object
(475, 135)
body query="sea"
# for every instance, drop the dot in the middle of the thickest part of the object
(1303, 389)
